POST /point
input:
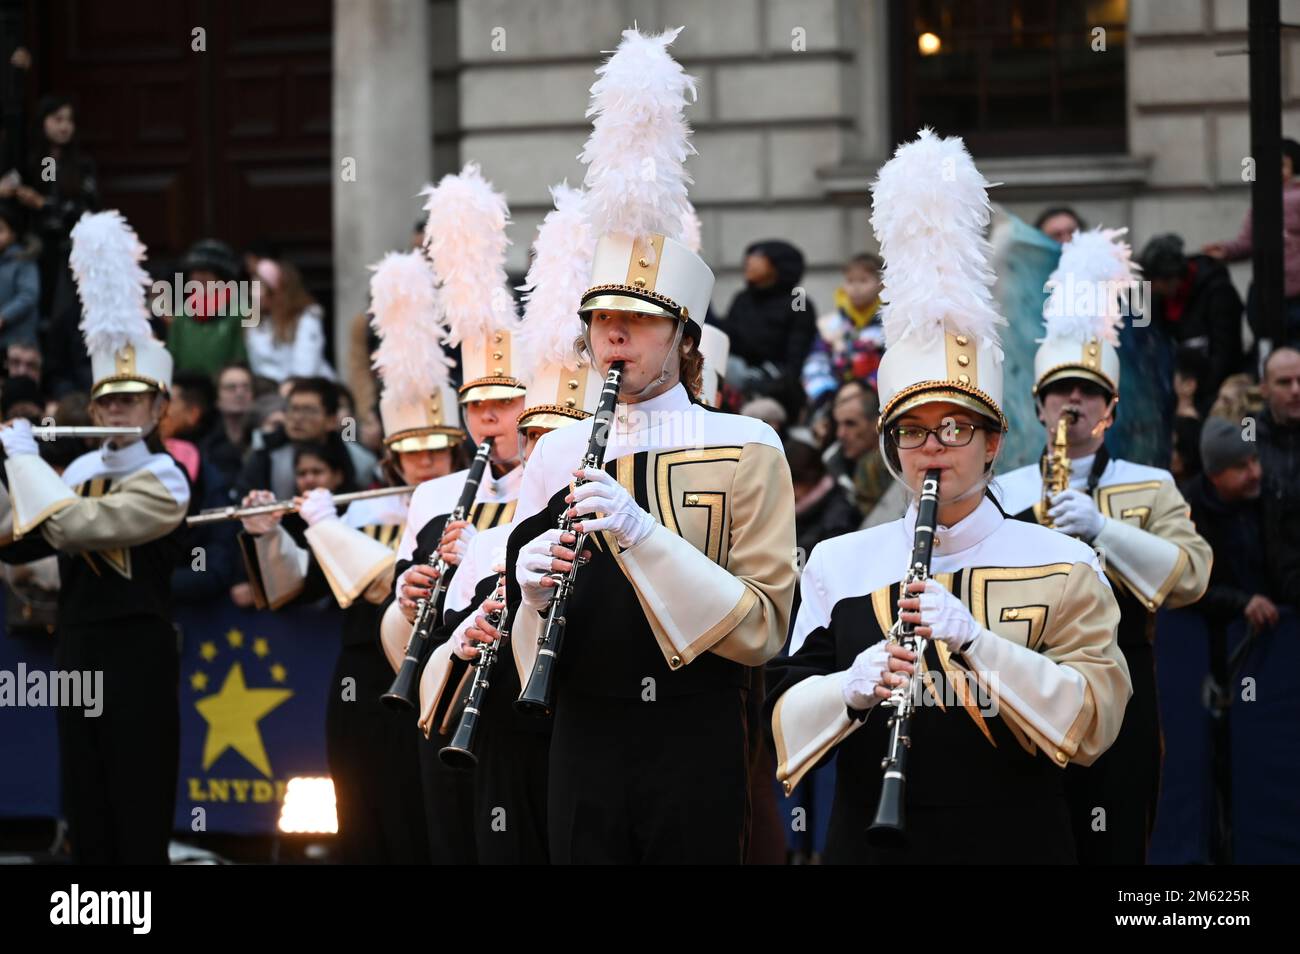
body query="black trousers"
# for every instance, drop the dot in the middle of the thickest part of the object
(663, 782)
(1124, 781)
(448, 805)
(510, 778)
(119, 769)
(374, 760)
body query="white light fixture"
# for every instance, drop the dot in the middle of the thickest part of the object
(309, 807)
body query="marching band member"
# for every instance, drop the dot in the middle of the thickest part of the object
(691, 575)
(114, 518)
(512, 749)
(373, 756)
(1131, 514)
(466, 242)
(1020, 674)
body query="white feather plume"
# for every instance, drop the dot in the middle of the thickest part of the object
(465, 235)
(105, 260)
(1091, 279)
(691, 229)
(403, 304)
(561, 270)
(930, 212)
(636, 175)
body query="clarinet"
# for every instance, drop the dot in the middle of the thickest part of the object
(459, 753)
(538, 697)
(404, 692)
(887, 829)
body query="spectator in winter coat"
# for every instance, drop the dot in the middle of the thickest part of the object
(850, 339)
(771, 324)
(1198, 307)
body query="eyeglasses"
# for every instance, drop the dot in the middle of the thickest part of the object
(949, 434)
(305, 410)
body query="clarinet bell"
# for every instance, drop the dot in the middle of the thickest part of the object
(887, 831)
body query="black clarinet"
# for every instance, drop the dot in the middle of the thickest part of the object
(404, 693)
(538, 697)
(459, 753)
(888, 830)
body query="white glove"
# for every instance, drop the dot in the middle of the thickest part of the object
(864, 676)
(18, 438)
(265, 523)
(948, 618)
(1074, 512)
(461, 645)
(318, 505)
(622, 515)
(533, 566)
(461, 543)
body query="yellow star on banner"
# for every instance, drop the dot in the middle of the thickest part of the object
(278, 672)
(208, 650)
(232, 715)
(199, 681)
(235, 638)
(260, 648)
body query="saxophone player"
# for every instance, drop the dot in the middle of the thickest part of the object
(1019, 675)
(1131, 514)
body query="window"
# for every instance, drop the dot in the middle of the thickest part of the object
(1013, 77)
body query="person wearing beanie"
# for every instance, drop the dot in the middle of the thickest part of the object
(1256, 548)
(208, 334)
(1255, 538)
(1130, 513)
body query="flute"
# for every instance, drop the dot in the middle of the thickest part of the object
(284, 506)
(50, 433)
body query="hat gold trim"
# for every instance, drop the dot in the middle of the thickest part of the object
(422, 438)
(551, 416)
(1062, 371)
(494, 388)
(932, 392)
(620, 297)
(126, 384)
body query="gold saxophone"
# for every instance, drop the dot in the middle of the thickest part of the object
(1056, 466)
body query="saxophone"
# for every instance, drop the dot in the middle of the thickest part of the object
(1056, 466)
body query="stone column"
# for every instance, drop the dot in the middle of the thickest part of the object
(383, 141)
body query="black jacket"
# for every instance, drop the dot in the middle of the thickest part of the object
(831, 516)
(1210, 324)
(771, 324)
(1256, 547)
(1279, 458)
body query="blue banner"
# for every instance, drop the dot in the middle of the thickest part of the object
(253, 693)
